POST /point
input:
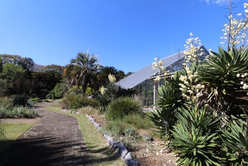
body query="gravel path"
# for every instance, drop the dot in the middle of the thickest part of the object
(54, 141)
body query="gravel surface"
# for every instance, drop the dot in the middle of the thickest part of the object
(55, 140)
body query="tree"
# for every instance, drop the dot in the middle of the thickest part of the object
(27, 64)
(81, 70)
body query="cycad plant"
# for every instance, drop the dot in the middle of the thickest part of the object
(196, 140)
(219, 74)
(235, 143)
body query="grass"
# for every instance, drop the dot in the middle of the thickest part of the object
(95, 142)
(139, 121)
(12, 131)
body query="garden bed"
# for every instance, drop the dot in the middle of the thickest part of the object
(152, 151)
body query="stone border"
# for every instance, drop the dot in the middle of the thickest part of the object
(125, 154)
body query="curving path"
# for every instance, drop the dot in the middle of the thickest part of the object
(55, 141)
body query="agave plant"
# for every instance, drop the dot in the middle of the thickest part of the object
(196, 140)
(235, 141)
(219, 73)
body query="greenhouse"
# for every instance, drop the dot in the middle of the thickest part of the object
(142, 80)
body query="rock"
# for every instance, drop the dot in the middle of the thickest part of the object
(148, 138)
(128, 156)
(132, 163)
(125, 155)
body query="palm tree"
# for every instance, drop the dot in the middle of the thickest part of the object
(81, 70)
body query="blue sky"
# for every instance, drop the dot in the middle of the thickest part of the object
(126, 34)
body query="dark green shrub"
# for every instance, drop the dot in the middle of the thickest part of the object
(111, 92)
(196, 140)
(3, 87)
(74, 90)
(20, 100)
(58, 91)
(122, 107)
(235, 142)
(77, 101)
(103, 101)
(2, 134)
(170, 100)
(6, 102)
(139, 121)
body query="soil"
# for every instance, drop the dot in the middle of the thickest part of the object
(54, 141)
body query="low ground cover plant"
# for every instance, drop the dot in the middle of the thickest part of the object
(17, 112)
(10, 109)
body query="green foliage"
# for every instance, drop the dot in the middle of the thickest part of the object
(58, 91)
(17, 112)
(111, 92)
(122, 107)
(72, 101)
(74, 90)
(235, 142)
(11, 71)
(2, 134)
(196, 140)
(219, 73)
(170, 100)
(123, 132)
(3, 87)
(81, 71)
(138, 120)
(33, 101)
(20, 100)
(115, 128)
(6, 102)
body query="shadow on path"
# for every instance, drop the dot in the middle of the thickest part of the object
(49, 152)
(55, 141)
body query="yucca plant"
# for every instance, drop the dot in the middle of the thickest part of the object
(196, 140)
(219, 74)
(170, 99)
(235, 143)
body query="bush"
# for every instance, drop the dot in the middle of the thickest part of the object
(72, 101)
(17, 112)
(122, 132)
(115, 128)
(6, 102)
(2, 134)
(235, 143)
(111, 92)
(196, 138)
(58, 91)
(139, 121)
(20, 100)
(122, 107)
